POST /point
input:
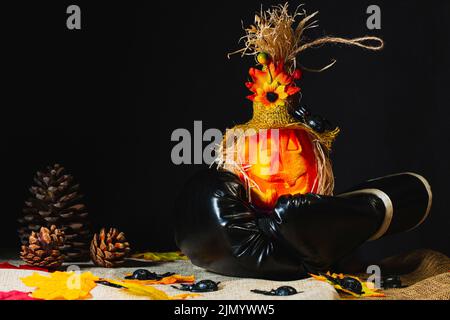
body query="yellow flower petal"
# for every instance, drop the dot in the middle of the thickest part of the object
(259, 99)
(282, 95)
(270, 87)
(260, 91)
(280, 89)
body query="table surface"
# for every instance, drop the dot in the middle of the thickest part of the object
(230, 288)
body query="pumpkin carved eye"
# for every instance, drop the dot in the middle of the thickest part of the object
(293, 144)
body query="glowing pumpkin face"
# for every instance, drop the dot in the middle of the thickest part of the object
(278, 162)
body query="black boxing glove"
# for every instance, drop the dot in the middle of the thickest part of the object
(324, 229)
(219, 230)
(407, 198)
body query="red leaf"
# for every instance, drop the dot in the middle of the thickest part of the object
(15, 295)
(7, 265)
(26, 267)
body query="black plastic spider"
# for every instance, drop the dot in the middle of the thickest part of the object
(201, 286)
(347, 283)
(143, 274)
(391, 281)
(281, 291)
(314, 121)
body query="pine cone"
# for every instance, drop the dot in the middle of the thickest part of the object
(55, 201)
(43, 249)
(109, 249)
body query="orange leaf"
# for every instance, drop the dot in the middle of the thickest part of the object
(183, 296)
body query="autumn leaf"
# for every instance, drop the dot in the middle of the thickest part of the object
(183, 296)
(15, 295)
(176, 278)
(160, 256)
(61, 285)
(7, 265)
(367, 289)
(149, 291)
(141, 290)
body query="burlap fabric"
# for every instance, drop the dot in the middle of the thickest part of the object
(426, 274)
(230, 288)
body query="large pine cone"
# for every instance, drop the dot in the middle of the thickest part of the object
(110, 249)
(56, 201)
(43, 249)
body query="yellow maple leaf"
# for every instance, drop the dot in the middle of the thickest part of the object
(61, 285)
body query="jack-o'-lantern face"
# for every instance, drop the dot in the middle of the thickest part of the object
(279, 161)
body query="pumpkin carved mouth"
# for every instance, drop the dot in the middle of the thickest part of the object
(285, 163)
(281, 180)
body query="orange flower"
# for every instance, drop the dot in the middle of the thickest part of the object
(271, 86)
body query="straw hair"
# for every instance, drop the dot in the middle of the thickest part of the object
(277, 32)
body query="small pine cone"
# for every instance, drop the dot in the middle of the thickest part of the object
(43, 249)
(110, 249)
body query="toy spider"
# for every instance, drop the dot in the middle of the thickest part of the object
(391, 281)
(281, 291)
(314, 121)
(142, 274)
(347, 283)
(201, 286)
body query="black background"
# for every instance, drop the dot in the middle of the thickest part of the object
(104, 100)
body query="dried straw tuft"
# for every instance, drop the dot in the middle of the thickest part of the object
(276, 32)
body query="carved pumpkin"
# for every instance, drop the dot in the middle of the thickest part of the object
(277, 151)
(278, 162)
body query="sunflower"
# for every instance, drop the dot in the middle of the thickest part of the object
(271, 95)
(271, 86)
